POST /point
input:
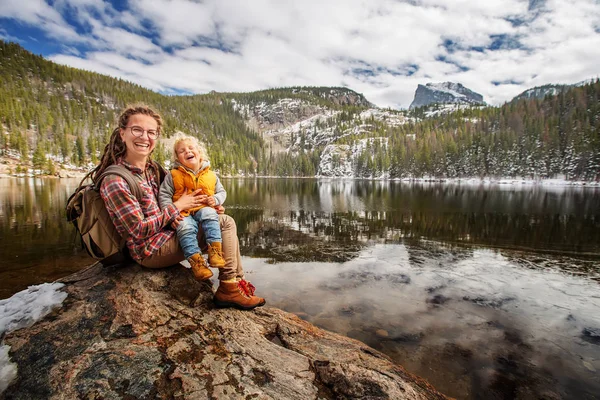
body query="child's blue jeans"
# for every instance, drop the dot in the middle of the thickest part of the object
(187, 230)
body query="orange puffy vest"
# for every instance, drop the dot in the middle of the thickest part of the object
(186, 182)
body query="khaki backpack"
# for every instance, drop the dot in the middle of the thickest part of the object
(88, 213)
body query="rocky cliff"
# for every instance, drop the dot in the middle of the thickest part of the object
(301, 104)
(303, 125)
(143, 334)
(445, 93)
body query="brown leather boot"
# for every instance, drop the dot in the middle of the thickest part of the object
(215, 255)
(199, 268)
(233, 294)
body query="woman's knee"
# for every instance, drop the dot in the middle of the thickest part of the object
(169, 254)
(226, 222)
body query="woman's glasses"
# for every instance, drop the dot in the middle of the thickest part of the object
(138, 132)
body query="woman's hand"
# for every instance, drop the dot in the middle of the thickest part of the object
(220, 209)
(190, 200)
(176, 222)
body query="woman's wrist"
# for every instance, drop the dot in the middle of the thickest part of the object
(174, 210)
(178, 205)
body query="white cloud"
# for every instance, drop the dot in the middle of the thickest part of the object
(39, 13)
(232, 45)
(178, 22)
(127, 43)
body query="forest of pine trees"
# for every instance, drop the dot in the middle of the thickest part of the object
(536, 138)
(49, 109)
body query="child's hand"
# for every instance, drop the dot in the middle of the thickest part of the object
(207, 200)
(210, 201)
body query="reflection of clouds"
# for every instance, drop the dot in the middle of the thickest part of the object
(396, 297)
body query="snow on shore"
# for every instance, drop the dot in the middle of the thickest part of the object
(21, 310)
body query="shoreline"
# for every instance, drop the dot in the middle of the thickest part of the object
(71, 171)
(70, 174)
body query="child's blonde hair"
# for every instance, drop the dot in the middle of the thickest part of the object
(183, 137)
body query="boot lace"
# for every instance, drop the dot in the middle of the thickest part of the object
(213, 251)
(246, 287)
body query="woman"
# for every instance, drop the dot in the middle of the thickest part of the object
(149, 239)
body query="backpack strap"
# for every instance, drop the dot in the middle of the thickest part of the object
(134, 186)
(124, 173)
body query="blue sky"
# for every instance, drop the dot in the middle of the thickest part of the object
(381, 48)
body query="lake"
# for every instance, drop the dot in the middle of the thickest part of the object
(485, 291)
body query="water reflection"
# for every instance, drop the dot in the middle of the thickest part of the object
(344, 215)
(349, 195)
(36, 242)
(473, 322)
(306, 220)
(405, 268)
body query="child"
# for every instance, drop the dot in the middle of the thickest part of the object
(191, 172)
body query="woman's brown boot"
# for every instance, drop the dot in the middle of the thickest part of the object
(199, 268)
(215, 255)
(235, 294)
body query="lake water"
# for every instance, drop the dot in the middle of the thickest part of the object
(485, 291)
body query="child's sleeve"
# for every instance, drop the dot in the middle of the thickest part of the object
(220, 193)
(167, 189)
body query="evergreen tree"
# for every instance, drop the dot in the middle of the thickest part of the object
(39, 157)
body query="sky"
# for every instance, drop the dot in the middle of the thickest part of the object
(380, 48)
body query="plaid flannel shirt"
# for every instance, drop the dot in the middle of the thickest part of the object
(144, 223)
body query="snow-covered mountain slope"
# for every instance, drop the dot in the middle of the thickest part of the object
(539, 92)
(293, 125)
(340, 160)
(444, 93)
(312, 136)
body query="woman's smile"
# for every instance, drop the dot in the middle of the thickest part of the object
(139, 147)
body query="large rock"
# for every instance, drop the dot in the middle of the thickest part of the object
(133, 333)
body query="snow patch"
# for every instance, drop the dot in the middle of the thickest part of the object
(22, 310)
(8, 370)
(446, 87)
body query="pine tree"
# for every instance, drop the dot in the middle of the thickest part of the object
(39, 157)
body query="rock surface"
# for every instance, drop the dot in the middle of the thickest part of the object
(133, 333)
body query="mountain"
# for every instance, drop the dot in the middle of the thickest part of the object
(539, 92)
(296, 126)
(444, 93)
(55, 116)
